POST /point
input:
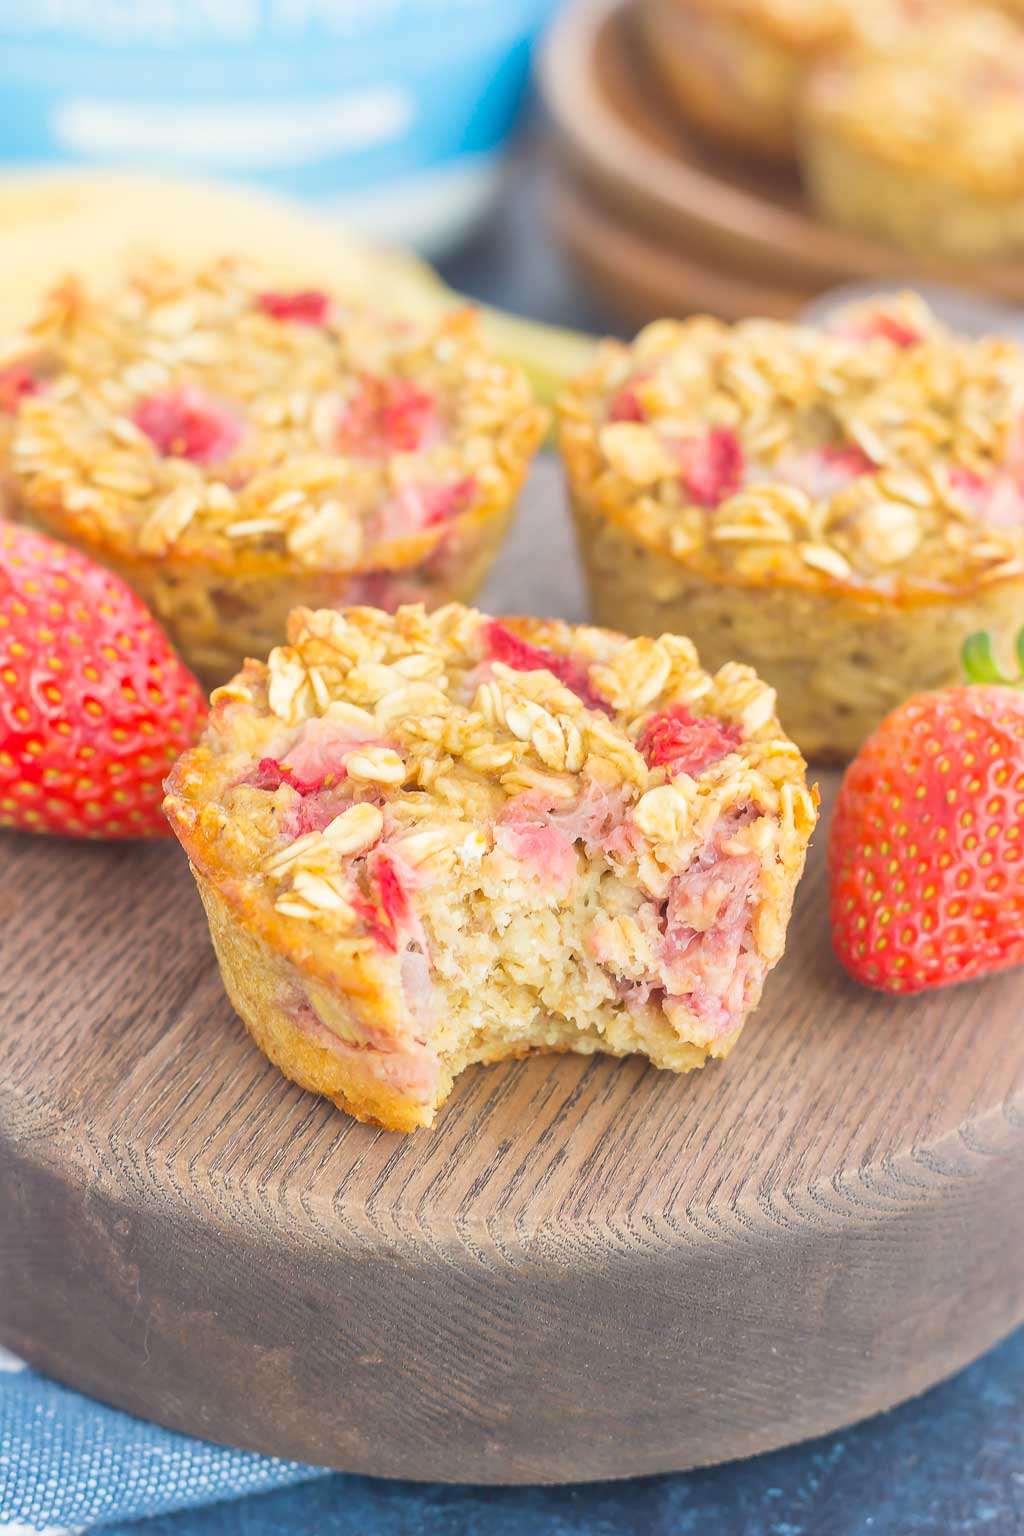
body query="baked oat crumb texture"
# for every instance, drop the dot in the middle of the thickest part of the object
(430, 840)
(883, 455)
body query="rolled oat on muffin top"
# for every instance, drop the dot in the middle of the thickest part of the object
(234, 450)
(857, 480)
(430, 840)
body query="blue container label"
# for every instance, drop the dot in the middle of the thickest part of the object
(308, 96)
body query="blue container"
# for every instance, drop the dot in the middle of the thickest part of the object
(391, 112)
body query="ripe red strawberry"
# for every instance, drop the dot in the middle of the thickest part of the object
(926, 850)
(94, 704)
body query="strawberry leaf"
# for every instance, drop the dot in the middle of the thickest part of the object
(980, 665)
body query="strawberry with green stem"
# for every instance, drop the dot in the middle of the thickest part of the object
(926, 848)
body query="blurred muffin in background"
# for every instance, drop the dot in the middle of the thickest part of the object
(737, 67)
(923, 144)
(235, 451)
(838, 507)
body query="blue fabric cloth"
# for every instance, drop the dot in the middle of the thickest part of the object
(70, 1464)
(949, 1464)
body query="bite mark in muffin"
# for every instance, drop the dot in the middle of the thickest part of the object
(425, 841)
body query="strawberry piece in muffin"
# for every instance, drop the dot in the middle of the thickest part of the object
(308, 306)
(679, 743)
(513, 651)
(187, 423)
(17, 383)
(712, 466)
(387, 416)
(526, 837)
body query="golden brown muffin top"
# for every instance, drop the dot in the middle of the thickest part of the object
(205, 414)
(884, 455)
(374, 751)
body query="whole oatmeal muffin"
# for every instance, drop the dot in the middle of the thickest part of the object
(737, 67)
(234, 451)
(923, 144)
(839, 509)
(425, 841)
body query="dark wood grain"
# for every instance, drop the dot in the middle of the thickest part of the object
(588, 1270)
(704, 230)
(638, 277)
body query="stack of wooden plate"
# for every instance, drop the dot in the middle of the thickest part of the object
(660, 222)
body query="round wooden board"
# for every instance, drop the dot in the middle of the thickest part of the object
(588, 1270)
(738, 235)
(637, 277)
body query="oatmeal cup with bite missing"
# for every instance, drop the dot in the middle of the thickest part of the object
(234, 451)
(429, 840)
(839, 508)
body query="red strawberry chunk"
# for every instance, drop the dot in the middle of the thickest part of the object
(315, 811)
(186, 423)
(16, 384)
(307, 307)
(625, 405)
(848, 460)
(546, 852)
(442, 502)
(966, 480)
(824, 471)
(712, 466)
(887, 328)
(415, 507)
(521, 656)
(387, 416)
(390, 892)
(390, 917)
(315, 760)
(270, 774)
(683, 743)
(998, 503)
